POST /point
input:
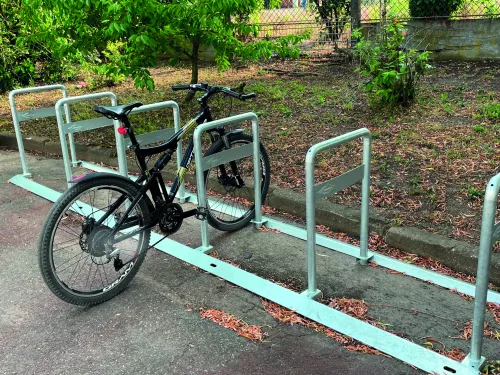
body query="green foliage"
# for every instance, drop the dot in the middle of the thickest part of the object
(473, 192)
(446, 104)
(491, 110)
(334, 15)
(394, 72)
(491, 8)
(140, 31)
(22, 61)
(284, 110)
(479, 128)
(433, 8)
(491, 368)
(100, 68)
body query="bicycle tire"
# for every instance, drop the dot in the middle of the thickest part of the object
(213, 183)
(73, 198)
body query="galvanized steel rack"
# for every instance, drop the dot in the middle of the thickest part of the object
(302, 303)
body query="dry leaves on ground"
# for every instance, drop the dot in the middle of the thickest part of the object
(251, 332)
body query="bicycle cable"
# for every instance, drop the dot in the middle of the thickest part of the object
(230, 106)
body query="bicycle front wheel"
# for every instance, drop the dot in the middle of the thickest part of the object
(75, 258)
(230, 187)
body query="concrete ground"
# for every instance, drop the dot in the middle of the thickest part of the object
(154, 327)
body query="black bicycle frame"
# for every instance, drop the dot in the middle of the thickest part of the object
(152, 179)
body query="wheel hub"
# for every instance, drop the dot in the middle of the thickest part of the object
(97, 240)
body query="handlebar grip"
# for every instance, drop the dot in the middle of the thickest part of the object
(180, 87)
(248, 96)
(230, 92)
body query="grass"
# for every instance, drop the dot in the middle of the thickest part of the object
(430, 162)
(491, 111)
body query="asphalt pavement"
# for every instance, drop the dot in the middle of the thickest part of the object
(154, 326)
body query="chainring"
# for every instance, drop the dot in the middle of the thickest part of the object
(171, 218)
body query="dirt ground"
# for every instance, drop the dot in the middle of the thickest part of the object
(430, 162)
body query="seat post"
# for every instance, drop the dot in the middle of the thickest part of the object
(135, 145)
(130, 131)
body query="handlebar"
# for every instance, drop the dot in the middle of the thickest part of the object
(248, 96)
(210, 90)
(180, 87)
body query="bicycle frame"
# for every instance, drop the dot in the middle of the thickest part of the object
(152, 179)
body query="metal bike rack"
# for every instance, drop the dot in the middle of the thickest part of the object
(301, 303)
(121, 142)
(490, 233)
(17, 117)
(204, 163)
(69, 128)
(327, 188)
(304, 303)
(359, 252)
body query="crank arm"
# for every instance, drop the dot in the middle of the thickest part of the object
(185, 214)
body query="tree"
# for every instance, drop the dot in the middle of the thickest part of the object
(433, 8)
(23, 62)
(148, 29)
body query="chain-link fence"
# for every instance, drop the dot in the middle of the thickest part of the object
(328, 22)
(328, 28)
(376, 10)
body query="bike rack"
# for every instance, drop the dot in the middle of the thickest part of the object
(17, 117)
(354, 251)
(301, 303)
(204, 163)
(67, 128)
(327, 188)
(490, 233)
(121, 142)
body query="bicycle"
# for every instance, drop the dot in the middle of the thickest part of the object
(97, 234)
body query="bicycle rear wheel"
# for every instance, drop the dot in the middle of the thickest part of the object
(74, 259)
(230, 187)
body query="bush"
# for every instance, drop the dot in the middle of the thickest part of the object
(394, 72)
(15, 64)
(434, 8)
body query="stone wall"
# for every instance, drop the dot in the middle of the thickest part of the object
(468, 39)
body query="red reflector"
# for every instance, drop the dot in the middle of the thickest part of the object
(122, 130)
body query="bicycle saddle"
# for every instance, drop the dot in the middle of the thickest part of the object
(117, 111)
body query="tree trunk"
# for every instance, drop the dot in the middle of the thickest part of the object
(194, 59)
(355, 13)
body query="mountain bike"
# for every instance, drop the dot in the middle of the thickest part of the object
(97, 234)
